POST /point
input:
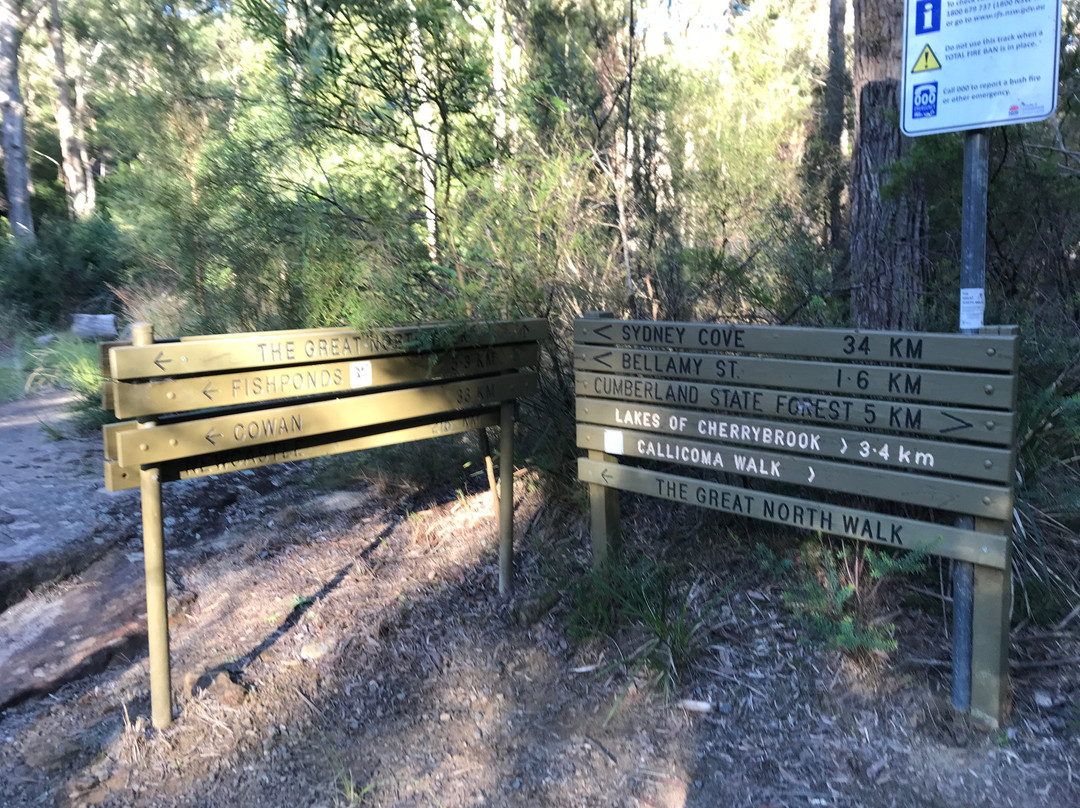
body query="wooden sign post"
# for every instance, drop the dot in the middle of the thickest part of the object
(213, 404)
(768, 419)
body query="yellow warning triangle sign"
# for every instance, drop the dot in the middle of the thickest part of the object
(926, 61)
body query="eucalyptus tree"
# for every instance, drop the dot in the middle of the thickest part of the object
(15, 17)
(888, 225)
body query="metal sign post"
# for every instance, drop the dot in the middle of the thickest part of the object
(968, 66)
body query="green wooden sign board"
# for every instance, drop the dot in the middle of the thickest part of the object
(226, 402)
(752, 415)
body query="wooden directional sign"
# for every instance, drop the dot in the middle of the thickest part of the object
(215, 354)
(229, 431)
(918, 419)
(900, 533)
(993, 391)
(904, 454)
(121, 478)
(980, 426)
(935, 492)
(982, 352)
(184, 394)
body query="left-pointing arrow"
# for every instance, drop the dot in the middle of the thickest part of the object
(161, 361)
(213, 434)
(601, 331)
(601, 359)
(605, 476)
(210, 389)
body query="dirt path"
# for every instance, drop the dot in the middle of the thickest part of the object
(337, 640)
(55, 516)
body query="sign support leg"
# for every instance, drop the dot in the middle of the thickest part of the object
(157, 616)
(153, 536)
(604, 516)
(990, 645)
(506, 498)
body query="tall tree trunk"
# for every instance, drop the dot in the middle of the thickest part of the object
(72, 143)
(498, 76)
(13, 137)
(887, 234)
(835, 92)
(424, 124)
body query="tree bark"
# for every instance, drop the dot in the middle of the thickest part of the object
(424, 125)
(78, 180)
(13, 136)
(835, 92)
(888, 233)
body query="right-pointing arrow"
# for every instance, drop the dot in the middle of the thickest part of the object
(960, 423)
(812, 475)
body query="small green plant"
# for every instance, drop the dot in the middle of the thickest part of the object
(838, 594)
(351, 792)
(771, 564)
(665, 623)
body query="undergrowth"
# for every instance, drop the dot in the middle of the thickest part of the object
(661, 622)
(72, 364)
(837, 591)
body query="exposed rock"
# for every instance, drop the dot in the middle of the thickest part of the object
(225, 691)
(46, 640)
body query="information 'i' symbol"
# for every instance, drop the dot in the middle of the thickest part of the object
(927, 16)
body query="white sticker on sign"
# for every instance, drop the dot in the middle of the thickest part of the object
(972, 307)
(360, 374)
(613, 441)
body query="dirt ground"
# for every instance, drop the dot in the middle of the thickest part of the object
(337, 639)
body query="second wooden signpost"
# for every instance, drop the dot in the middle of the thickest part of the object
(213, 404)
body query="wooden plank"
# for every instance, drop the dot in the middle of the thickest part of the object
(991, 391)
(990, 636)
(222, 353)
(110, 437)
(911, 454)
(991, 502)
(954, 423)
(189, 393)
(227, 431)
(896, 532)
(974, 352)
(121, 478)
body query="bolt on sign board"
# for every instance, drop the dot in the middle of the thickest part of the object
(883, 437)
(971, 64)
(213, 404)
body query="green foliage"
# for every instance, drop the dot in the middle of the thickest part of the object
(68, 269)
(665, 623)
(837, 593)
(72, 364)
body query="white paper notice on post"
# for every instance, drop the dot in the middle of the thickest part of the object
(972, 307)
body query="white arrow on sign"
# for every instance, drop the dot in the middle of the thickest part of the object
(812, 475)
(843, 446)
